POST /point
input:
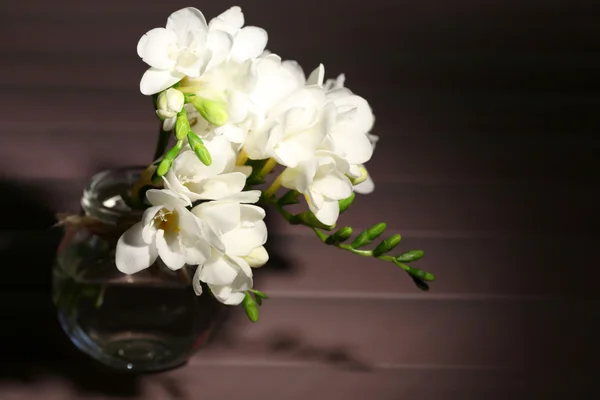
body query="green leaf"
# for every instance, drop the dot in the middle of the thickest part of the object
(339, 236)
(345, 203)
(250, 307)
(387, 245)
(291, 197)
(409, 256)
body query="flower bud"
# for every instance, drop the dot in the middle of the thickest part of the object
(169, 103)
(257, 257)
(409, 256)
(212, 111)
(386, 245)
(363, 176)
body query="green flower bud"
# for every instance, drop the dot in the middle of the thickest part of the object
(182, 126)
(163, 167)
(198, 146)
(250, 307)
(211, 110)
(376, 230)
(363, 176)
(409, 256)
(387, 245)
(345, 203)
(340, 236)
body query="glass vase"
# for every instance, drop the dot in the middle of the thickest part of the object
(148, 321)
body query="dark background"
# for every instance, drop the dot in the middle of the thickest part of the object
(488, 159)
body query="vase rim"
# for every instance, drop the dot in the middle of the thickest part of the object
(102, 196)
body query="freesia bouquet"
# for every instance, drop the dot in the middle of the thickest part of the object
(232, 115)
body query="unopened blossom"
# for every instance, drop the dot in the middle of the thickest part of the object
(167, 230)
(168, 104)
(222, 179)
(183, 48)
(323, 181)
(241, 229)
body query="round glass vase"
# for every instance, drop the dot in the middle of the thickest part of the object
(148, 321)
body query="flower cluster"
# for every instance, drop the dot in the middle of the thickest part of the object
(236, 112)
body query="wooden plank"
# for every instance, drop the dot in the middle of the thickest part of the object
(488, 334)
(500, 209)
(469, 158)
(261, 382)
(300, 267)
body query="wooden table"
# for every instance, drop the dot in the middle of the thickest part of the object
(488, 159)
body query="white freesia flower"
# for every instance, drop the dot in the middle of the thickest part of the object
(248, 42)
(169, 103)
(294, 129)
(323, 182)
(241, 229)
(222, 179)
(183, 48)
(167, 230)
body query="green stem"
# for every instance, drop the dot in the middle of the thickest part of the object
(161, 145)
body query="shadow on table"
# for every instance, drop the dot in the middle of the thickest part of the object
(33, 347)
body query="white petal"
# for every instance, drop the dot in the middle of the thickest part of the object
(149, 228)
(157, 80)
(237, 106)
(221, 186)
(132, 254)
(241, 241)
(196, 283)
(257, 257)
(155, 47)
(232, 133)
(248, 196)
(356, 147)
(317, 76)
(169, 124)
(301, 177)
(334, 185)
(220, 44)
(248, 43)
(365, 187)
(221, 216)
(166, 198)
(296, 70)
(192, 64)
(189, 24)
(229, 21)
(218, 270)
(169, 250)
(193, 238)
(329, 212)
